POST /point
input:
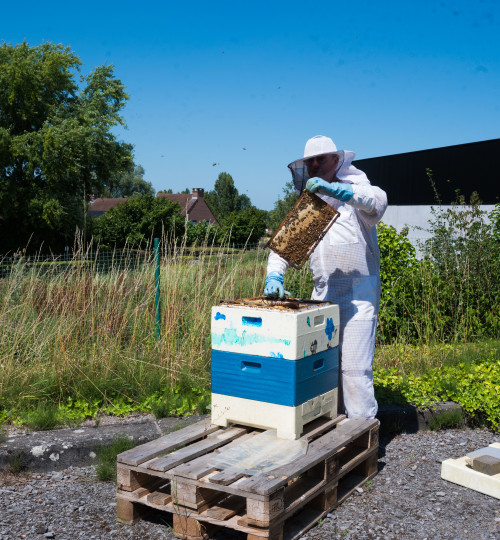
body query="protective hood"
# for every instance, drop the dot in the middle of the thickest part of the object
(345, 172)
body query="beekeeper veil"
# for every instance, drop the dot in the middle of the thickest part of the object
(318, 146)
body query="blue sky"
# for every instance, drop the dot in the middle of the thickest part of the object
(243, 85)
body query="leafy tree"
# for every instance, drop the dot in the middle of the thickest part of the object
(128, 183)
(136, 221)
(56, 142)
(223, 199)
(165, 191)
(201, 233)
(282, 206)
(244, 202)
(187, 191)
(245, 226)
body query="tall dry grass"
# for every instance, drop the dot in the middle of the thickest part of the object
(81, 333)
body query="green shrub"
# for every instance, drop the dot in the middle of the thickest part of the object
(464, 254)
(473, 386)
(397, 260)
(453, 292)
(244, 226)
(138, 220)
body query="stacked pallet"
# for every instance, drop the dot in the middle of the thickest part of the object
(274, 367)
(174, 474)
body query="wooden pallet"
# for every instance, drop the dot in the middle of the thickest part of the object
(172, 474)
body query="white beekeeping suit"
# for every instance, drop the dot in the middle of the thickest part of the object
(346, 269)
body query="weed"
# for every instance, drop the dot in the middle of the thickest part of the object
(446, 419)
(44, 417)
(17, 463)
(106, 457)
(161, 408)
(368, 484)
(411, 459)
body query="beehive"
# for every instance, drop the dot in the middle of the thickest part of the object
(275, 364)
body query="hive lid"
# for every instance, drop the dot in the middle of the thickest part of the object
(263, 302)
(303, 228)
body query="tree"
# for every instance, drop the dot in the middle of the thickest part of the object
(223, 199)
(244, 202)
(128, 183)
(245, 226)
(282, 206)
(56, 142)
(136, 221)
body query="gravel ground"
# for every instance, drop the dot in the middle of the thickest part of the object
(407, 499)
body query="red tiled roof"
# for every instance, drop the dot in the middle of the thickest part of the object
(100, 206)
(103, 205)
(196, 208)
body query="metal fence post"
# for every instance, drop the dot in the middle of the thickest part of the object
(157, 287)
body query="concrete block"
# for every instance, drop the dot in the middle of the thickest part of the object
(459, 472)
(486, 464)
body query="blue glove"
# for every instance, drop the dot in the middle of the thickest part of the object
(338, 190)
(274, 285)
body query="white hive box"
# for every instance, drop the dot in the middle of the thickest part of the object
(281, 333)
(288, 421)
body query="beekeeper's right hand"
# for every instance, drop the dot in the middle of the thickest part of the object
(274, 286)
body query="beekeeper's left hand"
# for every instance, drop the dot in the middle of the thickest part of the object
(337, 190)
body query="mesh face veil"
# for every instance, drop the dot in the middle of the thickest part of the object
(316, 146)
(299, 172)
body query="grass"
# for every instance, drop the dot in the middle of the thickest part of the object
(43, 417)
(446, 419)
(83, 340)
(417, 360)
(106, 458)
(90, 337)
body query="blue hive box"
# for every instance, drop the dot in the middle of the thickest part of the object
(274, 380)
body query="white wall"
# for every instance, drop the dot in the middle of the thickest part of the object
(416, 218)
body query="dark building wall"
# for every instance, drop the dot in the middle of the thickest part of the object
(466, 167)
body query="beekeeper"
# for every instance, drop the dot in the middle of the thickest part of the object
(345, 264)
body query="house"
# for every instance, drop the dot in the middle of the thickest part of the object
(100, 206)
(193, 205)
(411, 195)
